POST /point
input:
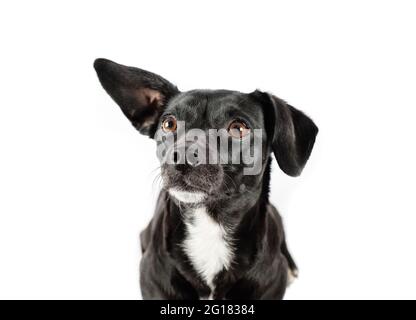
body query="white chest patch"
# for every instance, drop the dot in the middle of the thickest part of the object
(207, 245)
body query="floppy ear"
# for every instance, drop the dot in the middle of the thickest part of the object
(141, 95)
(292, 133)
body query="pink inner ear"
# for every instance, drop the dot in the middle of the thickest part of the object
(149, 97)
(149, 104)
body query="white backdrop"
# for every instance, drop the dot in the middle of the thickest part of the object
(76, 180)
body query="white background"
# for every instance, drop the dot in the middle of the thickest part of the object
(76, 180)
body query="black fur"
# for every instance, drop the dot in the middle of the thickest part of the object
(261, 258)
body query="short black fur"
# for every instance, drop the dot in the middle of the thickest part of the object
(261, 260)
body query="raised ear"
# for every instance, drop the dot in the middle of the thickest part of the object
(292, 133)
(141, 95)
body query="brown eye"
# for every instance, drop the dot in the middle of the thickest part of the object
(169, 124)
(238, 129)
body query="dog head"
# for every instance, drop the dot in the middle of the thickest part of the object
(213, 144)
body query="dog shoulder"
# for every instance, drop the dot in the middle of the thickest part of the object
(156, 222)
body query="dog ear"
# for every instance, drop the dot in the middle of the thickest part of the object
(141, 95)
(292, 133)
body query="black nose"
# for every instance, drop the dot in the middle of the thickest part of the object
(189, 162)
(193, 159)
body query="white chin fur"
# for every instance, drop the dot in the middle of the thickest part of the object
(187, 197)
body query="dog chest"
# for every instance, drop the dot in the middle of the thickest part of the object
(207, 245)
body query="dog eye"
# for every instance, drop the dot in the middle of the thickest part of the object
(169, 124)
(238, 129)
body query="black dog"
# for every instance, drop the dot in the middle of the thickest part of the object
(214, 233)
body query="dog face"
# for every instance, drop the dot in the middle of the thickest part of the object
(213, 144)
(217, 123)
